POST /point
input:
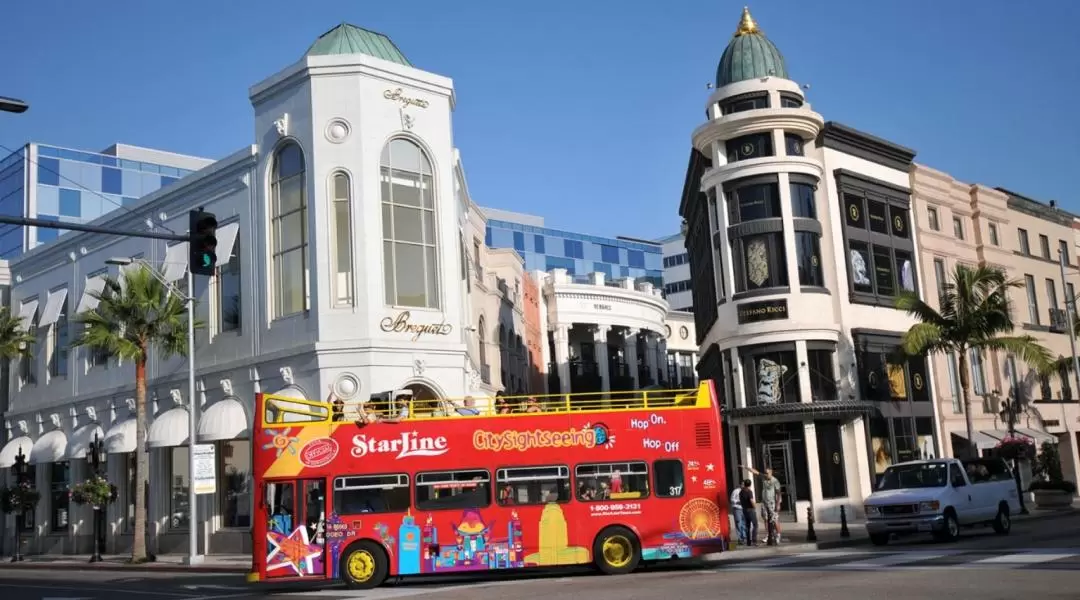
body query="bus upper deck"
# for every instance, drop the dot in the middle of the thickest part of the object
(399, 406)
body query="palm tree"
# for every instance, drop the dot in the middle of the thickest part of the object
(130, 319)
(974, 314)
(15, 340)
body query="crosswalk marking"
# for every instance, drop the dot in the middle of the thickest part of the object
(805, 556)
(1025, 558)
(946, 558)
(892, 560)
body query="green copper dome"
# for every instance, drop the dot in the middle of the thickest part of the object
(350, 39)
(749, 55)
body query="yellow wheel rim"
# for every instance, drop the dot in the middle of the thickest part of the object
(618, 551)
(361, 565)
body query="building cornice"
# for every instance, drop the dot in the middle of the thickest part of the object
(791, 120)
(863, 145)
(1034, 208)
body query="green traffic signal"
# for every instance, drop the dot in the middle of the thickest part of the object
(202, 232)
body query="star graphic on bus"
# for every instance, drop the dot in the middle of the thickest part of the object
(710, 467)
(293, 551)
(693, 478)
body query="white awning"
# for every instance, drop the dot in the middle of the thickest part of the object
(12, 449)
(226, 237)
(89, 300)
(224, 420)
(981, 441)
(53, 306)
(1038, 436)
(120, 438)
(176, 262)
(169, 429)
(27, 312)
(124, 270)
(82, 438)
(51, 447)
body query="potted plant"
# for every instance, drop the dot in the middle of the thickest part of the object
(95, 491)
(19, 499)
(1016, 448)
(1050, 489)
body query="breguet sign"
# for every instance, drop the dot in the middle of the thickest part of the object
(767, 310)
(400, 323)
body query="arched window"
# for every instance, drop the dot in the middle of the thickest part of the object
(341, 196)
(288, 231)
(410, 261)
(482, 335)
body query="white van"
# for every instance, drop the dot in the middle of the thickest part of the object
(941, 496)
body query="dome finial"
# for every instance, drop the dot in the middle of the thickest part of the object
(746, 24)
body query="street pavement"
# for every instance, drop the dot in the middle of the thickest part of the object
(1039, 559)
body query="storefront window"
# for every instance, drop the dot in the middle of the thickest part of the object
(830, 451)
(179, 514)
(822, 375)
(771, 374)
(26, 520)
(880, 446)
(235, 487)
(60, 499)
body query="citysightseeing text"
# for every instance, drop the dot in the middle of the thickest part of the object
(510, 440)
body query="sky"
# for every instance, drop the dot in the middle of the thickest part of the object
(580, 112)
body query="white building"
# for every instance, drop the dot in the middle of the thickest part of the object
(341, 266)
(677, 281)
(799, 235)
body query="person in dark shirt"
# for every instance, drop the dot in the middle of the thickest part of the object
(746, 501)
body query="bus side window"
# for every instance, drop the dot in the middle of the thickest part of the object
(532, 485)
(612, 481)
(459, 490)
(668, 476)
(280, 506)
(360, 494)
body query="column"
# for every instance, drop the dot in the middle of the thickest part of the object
(814, 468)
(561, 336)
(650, 356)
(630, 354)
(862, 459)
(600, 350)
(676, 377)
(662, 358)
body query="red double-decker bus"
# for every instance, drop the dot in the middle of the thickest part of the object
(366, 492)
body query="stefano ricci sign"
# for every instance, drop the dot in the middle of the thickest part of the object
(402, 323)
(408, 444)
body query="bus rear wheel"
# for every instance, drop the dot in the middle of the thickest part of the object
(616, 551)
(364, 565)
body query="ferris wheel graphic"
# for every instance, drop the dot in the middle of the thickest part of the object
(700, 519)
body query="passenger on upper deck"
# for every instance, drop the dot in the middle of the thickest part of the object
(467, 407)
(502, 407)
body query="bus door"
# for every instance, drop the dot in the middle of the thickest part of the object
(296, 528)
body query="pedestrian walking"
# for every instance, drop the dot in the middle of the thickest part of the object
(770, 498)
(735, 508)
(746, 501)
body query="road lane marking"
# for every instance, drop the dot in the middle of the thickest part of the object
(1025, 558)
(893, 560)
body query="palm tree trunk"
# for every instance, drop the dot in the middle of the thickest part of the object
(142, 463)
(965, 391)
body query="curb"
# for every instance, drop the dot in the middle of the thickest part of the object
(122, 567)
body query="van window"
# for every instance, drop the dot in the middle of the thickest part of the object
(612, 481)
(668, 476)
(985, 470)
(359, 494)
(469, 488)
(532, 485)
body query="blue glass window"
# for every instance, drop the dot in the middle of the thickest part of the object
(48, 171)
(602, 268)
(573, 249)
(609, 254)
(635, 258)
(129, 201)
(167, 180)
(557, 262)
(111, 181)
(487, 237)
(538, 244)
(624, 271)
(108, 161)
(47, 151)
(70, 203)
(519, 241)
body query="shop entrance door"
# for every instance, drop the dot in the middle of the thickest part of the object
(777, 455)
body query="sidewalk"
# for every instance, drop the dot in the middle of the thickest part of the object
(165, 563)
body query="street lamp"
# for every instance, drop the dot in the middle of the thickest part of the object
(1010, 413)
(193, 534)
(97, 468)
(12, 105)
(20, 468)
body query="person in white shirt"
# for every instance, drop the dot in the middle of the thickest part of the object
(736, 511)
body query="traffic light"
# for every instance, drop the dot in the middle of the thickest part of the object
(202, 246)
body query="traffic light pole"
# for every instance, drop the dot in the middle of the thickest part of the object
(171, 237)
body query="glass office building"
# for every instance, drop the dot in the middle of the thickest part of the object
(72, 186)
(545, 249)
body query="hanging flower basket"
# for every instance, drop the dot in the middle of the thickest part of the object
(96, 492)
(18, 498)
(1016, 448)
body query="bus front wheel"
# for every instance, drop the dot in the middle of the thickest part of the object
(616, 551)
(364, 565)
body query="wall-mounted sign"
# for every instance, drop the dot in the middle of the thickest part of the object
(601, 306)
(399, 323)
(766, 310)
(399, 96)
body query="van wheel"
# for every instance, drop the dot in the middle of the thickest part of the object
(951, 531)
(616, 551)
(879, 539)
(1002, 522)
(364, 565)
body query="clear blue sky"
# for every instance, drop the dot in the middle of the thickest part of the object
(577, 111)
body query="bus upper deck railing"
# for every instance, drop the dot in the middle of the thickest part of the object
(278, 410)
